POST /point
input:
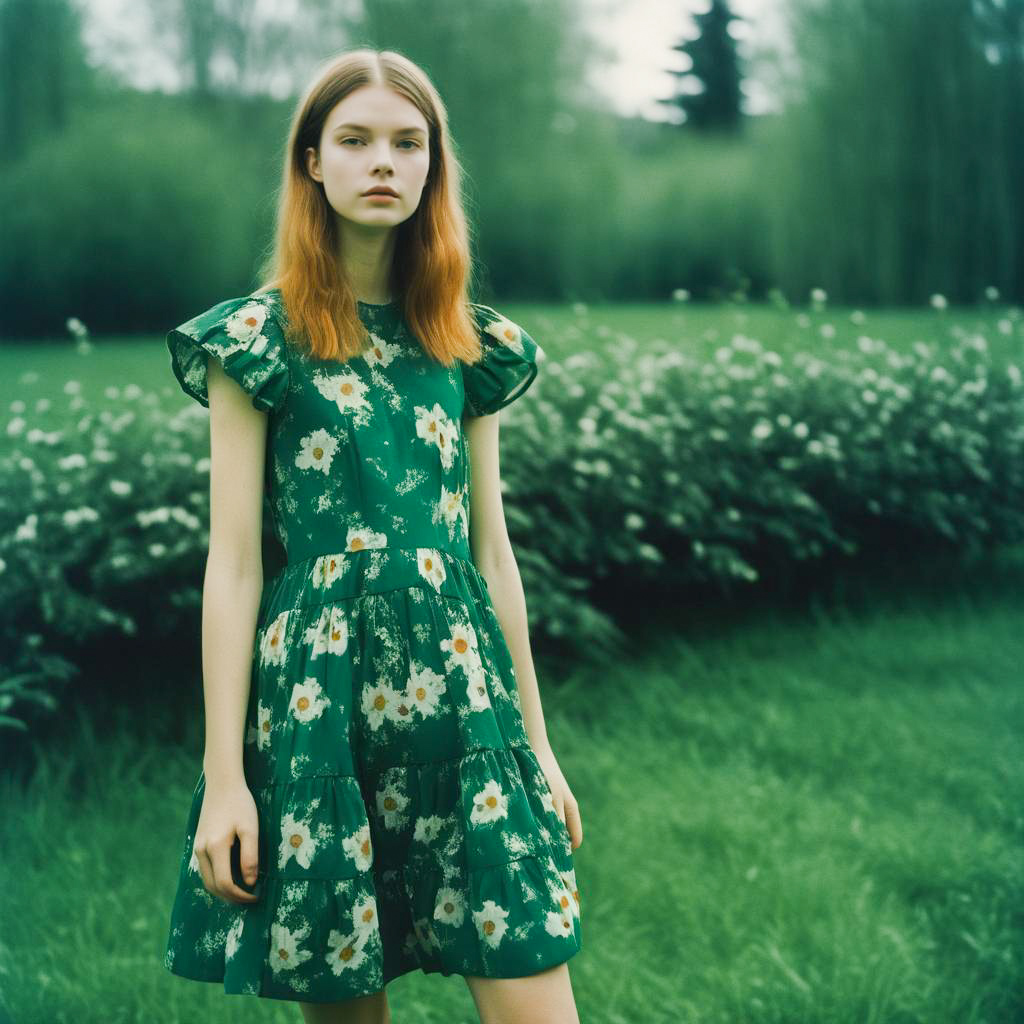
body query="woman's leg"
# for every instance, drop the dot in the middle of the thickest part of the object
(542, 998)
(371, 1009)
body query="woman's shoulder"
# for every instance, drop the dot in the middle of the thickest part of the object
(244, 333)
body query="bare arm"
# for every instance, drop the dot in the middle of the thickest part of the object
(233, 580)
(496, 562)
(494, 557)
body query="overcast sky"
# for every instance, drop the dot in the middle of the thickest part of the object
(640, 34)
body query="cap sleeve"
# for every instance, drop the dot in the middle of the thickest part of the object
(508, 366)
(246, 338)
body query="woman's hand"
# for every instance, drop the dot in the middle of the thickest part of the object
(228, 811)
(565, 803)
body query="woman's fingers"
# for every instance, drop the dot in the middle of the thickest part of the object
(249, 856)
(223, 884)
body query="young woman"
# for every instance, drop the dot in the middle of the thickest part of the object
(378, 793)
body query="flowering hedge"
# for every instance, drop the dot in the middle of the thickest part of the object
(626, 467)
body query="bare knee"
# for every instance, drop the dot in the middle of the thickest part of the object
(371, 1009)
(542, 998)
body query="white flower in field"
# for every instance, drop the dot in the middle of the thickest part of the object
(977, 342)
(76, 327)
(818, 295)
(803, 320)
(680, 295)
(634, 521)
(16, 426)
(157, 549)
(1005, 326)
(771, 358)
(800, 429)
(723, 354)
(27, 530)
(72, 387)
(938, 301)
(1013, 372)
(868, 397)
(718, 434)
(203, 464)
(579, 309)
(857, 317)
(783, 419)
(992, 293)
(76, 460)
(121, 487)
(74, 516)
(815, 447)
(939, 373)
(827, 331)
(761, 430)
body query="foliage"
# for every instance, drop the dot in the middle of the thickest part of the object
(627, 471)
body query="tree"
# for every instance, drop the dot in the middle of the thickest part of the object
(714, 69)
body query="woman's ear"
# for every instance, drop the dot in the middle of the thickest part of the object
(312, 163)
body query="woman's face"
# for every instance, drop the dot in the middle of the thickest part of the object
(372, 138)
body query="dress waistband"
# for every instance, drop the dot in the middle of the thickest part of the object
(341, 575)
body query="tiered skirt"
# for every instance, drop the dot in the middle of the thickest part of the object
(404, 820)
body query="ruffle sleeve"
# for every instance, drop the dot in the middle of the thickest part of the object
(508, 366)
(245, 336)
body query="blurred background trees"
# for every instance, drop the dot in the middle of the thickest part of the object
(890, 169)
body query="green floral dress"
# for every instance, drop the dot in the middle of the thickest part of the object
(404, 820)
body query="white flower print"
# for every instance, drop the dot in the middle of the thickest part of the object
(327, 568)
(547, 800)
(231, 942)
(462, 645)
(359, 847)
(318, 450)
(428, 829)
(391, 802)
(450, 906)
(569, 881)
(296, 841)
(424, 688)
(507, 333)
(245, 325)
(330, 634)
(307, 701)
(559, 923)
(345, 388)
(434, 427)
(346, 951)
(451, 509)
(272, 647)
(476, 689)
(264, 725)
(193, 864)
(364, 915)
(380, 352)
(490, 922)
(357, 540)
(431, 567)
(489, 804)
(285, 954)
(380, 702)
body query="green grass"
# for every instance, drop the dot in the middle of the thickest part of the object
(806, 815)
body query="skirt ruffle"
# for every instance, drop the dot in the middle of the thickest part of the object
(404, 819)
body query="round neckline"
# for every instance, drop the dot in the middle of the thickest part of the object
(393, 304)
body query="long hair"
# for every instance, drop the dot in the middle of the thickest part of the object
(432, 261)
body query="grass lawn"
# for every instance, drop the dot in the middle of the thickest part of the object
(790, 815)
